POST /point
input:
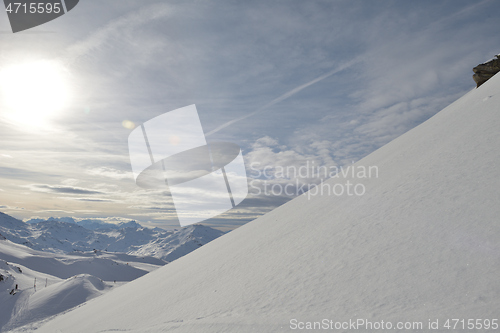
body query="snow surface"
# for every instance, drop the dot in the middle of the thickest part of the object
(422, 243)
(107, 266)
(62, 281)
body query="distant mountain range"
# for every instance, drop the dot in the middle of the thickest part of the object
(91, 224)
(65, 235)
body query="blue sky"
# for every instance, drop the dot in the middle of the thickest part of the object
(289, 81)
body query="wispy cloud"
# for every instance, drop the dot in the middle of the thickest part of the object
(103, 35)
(89, 199)
(20, 173)
(56, 211)
(159, 208)
(288, 94)
(11, 207)
(110, 173)
(61, 189)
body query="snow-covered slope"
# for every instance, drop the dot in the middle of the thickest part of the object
(12, 300)
(178, 243)
(422, 243)
(107, 266)
(49, 283)
(33, 306)
(87, 235)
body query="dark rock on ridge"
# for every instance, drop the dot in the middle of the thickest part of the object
(484, 72)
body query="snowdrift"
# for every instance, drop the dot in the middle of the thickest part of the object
(422, 243)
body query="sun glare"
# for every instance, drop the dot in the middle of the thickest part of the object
(33, 93)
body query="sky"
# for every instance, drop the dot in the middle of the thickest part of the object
(293, 83)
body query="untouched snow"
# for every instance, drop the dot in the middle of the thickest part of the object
(422, 243)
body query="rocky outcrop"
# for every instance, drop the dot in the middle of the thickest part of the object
(484, 72)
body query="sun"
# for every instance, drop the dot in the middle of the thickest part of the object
(33, 93)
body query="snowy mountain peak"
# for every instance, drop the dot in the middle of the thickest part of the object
(9, 221)
(131, 224)
(62, 219)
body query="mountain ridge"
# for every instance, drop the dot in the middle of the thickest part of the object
(91, 224)
(65, 237)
